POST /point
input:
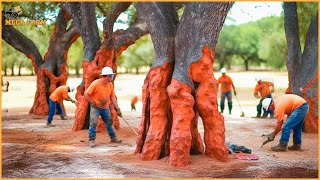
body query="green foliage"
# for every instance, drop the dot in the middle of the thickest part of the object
(139, 54)
(262, 41)
(75, 56)
(11, 57)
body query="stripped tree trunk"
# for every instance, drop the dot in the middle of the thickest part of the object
(192, 90)
(99, 55)
(51, 70)
(303, 66)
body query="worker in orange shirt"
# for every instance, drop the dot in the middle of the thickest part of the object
(100, 94)
(263, 88)
(55, 100)
(290, 111)
(226, 83)
(134, 101)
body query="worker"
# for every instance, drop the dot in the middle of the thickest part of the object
(134, 101)
(226, 83)
(55, 100)
(263, 88)
(290, 111)
(100, 93)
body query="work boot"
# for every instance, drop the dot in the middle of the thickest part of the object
(91, 143)
(279, 147)
(229, 111)
(50, 125)
(295, 147)
(62, 117)
(116, 140)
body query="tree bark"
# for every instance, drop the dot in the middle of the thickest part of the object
(98, 56)
(186, 48)
(303, 66)
(51, 70)
(154, 130)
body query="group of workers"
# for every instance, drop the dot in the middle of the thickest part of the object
(290, 110)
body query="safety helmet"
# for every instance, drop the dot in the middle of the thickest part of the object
(266, 102)
(71, 88)
(106, 71)
(257, 78)
(223, 70)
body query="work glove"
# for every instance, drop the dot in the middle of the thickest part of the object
(235, 93)
(119, 112)
(271, 137)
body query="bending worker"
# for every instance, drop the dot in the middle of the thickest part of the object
(55, 100)
(100, 93)
(226, 83)
(263, 88)
(290, 111)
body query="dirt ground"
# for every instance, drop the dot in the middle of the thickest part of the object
(32, 150)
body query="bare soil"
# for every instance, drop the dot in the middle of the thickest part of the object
(32, 150)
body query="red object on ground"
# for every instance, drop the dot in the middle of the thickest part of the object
(247, 157)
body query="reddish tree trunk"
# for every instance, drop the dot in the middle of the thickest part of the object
(192, 88)
(113, 44)
(52, 71)
(303, 66)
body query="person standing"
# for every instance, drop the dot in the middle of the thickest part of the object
(263, 88)
(134, 101)
(55, 100)
(100, 94)
(290, 111)
(226, 83)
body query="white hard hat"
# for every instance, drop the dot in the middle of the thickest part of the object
(257, 78)
(223, 70)
(266, 102)
(106, 71)
(71, 88)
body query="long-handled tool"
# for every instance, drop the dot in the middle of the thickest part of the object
(129, 126)
(242, 113)
(266, 141)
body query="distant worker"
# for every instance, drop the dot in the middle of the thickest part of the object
(100, 93)
(290, 111)
(226, 83)
(263, 88)
(55, 100)
(134, 101)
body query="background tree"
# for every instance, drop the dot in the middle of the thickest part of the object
(272, 44)
(302, 64)
(138, 55)
(51, 69)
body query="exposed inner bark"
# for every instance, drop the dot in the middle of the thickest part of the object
(51, 71)
(105, 56)
(192, 88)
(206, 103)
(152, 132)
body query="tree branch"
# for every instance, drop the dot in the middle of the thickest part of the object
(109, 21)
(130, 35)
(21, 43)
